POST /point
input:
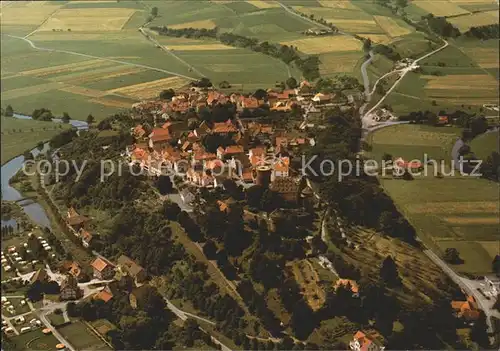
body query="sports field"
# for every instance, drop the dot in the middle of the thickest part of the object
(35, 341)
(453, 211)
(82, 338)
(20, 135)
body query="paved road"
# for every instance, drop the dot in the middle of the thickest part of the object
(100, 58)
(364, 74)
(469, 286)
(404, 72)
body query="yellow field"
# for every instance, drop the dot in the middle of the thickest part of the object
(263, 4)
(339, 4)
(454, 207)
(377, 38)
(392, 28)
(83, 91)
(492, 247)
(476, 19)
(338, 62)
(440, 8)
(200, 47)
(207, 24)
(355, 26)
(90, 77)
(150, 89)
(485, 57)
(320, 45)
(473, 221)
(70, 67)
(123, 35)
(98, 19)
(465, 82)
(27, 15)
(110, 102)
(32, 90)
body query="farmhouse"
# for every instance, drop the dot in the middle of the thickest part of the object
(352, 285)
(467, 310)
(103, 269)
(133, 269)
(367, 341)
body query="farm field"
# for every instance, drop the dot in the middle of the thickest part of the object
(454, 211)
(82, 338)
(20, 135)
(456, 77)
(440, 8)
(464, 23)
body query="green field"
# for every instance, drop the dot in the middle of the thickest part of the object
(485, 144)
(20, 135)
(454, 211)
(82, 338)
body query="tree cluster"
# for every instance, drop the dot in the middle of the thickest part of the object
(486, 32)
(441, 26)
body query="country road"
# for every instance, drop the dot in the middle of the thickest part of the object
(469, 286)
(403, 72)
(101, 58)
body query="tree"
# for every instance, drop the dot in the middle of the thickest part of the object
(479, 332)
(367, 44)
(291, 83)
(497, 303)
(495, 265)
(154, 11)
(167, 94)
(224, 85)
(65, 118)
(451, 255)
(171, 210)
(90, 119)
(164, 184)
(401, 3)
(260, 94)
(389, 272)
(9, 111)
(387, 157)
(209, 249)
(28, 156)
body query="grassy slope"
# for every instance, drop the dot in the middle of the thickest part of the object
(485, 144)
(432, 204)
(15, 143)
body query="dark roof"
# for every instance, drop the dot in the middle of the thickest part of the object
(77, 220)
(40, 276)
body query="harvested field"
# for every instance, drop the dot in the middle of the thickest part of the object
(263, 4)
(440, 8)
(308, 279)
(208, 24)
(343, 62)
(377, 38)
(27, 15)
(464, 23)
(454, 207)
(97, 75)
(99, 19)
(471, 220)
(492, 247)
(83, 91)
(338, 4)
(31, 90)
(70, 67)
(391, 26)
(485, 57)
(464, 82)
(111, 102)
(356, 26)
(200, 47)
(150, 89)
(320, 45)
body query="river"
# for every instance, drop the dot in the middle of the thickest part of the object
(33, 210)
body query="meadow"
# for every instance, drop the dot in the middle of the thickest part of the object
(20, 135)
(82, 338)
(454, 211)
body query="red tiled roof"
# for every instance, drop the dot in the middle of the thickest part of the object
(234, 149)
(103, 295)
(160, 134)
(99, 264)
(224, 127)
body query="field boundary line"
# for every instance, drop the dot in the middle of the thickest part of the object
(101, 58)
(44, 21)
